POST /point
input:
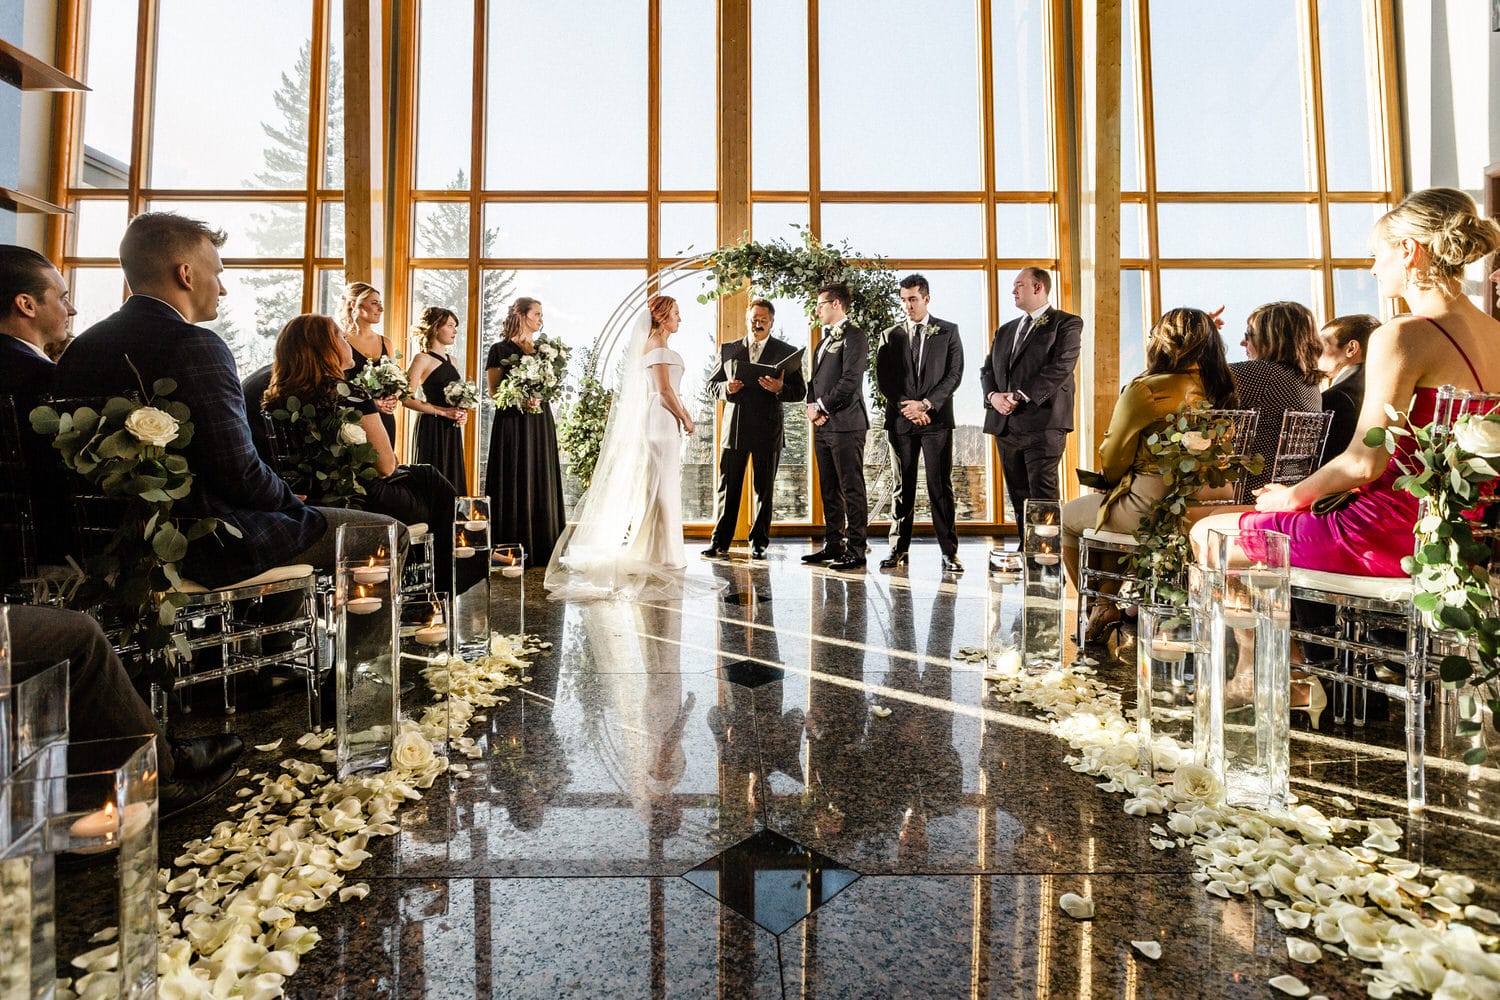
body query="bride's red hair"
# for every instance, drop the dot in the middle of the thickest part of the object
(660, 307)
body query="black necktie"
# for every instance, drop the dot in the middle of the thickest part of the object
(916, 348)
(1015, 348)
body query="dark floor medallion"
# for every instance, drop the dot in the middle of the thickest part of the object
(750, 674)
(772, 880)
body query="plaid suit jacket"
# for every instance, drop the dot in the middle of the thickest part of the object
(230, 480)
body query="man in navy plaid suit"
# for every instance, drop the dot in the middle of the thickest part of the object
(172, 266)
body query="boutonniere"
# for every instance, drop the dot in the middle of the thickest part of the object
(836, 335)
(1046, 318)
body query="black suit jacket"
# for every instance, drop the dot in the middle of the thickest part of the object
(752, 416)
(942, 371)
(28, 378)
(1343, 398)
(838, 379)
(1043, 370)
(230, 480)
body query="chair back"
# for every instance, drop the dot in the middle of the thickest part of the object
(17, 519)
(1453, 403)
(1300, 449)
(1240, 439)
(279, 444)
(96, 517)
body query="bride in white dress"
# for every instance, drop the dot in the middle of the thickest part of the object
(628, 537)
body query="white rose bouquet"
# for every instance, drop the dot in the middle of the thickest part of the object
(464, 395)
(538, 375)
(382, 379)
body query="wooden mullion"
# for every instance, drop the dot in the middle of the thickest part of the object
(71, 30)
(1148, 146)
(141, 112)
(1320, 149)
(653, 135)
(316, 133)
(478, 126)
(1390, 100)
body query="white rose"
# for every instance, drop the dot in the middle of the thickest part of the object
(1196, 442)
(411, 751)
(1195, 783)
(152, 426)
(353, 433)
(1478, 436)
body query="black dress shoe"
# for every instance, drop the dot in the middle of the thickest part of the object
(826, 554)
(178, 795)
(714, 552)
(952, 565)
(848, 562)
(204, 755)
(758, 552)
(893, 560)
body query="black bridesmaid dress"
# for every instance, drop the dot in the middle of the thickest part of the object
(523, 480)
(440, 441)
(360, 362)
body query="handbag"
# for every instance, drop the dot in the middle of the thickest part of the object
(1331, 502)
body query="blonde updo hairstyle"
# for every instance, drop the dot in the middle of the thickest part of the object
(432, 318)
(346, 315)
(1447, 225)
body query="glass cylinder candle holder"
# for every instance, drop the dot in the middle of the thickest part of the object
(1042, 620)
(1243, 707)
(368, 601)
(426, 640)
(1169, 647)
(509, 562)
(105, 801)
(1004, 610)
(471, 577)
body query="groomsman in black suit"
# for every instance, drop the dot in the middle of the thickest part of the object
(752, 427)
(919, 366)
(836, 407)
(1342, 362)
(34, 314)
(1028, 389)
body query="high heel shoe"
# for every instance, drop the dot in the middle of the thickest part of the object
(1317, 698)
(1104, 620)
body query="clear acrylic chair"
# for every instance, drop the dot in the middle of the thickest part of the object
(1300, 449)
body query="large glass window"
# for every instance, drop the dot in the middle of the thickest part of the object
(225, 134)
(1259, 176)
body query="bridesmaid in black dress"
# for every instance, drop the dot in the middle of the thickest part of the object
(439, 437)
(359, 310)
(523, 480)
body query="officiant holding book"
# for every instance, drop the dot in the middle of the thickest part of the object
(756, 375)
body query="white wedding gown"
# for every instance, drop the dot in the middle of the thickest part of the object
(657, 539)
(627, 542)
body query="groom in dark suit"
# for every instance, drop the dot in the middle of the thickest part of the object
(919, 366)
(752, 427)
(1028, 389)
(836, 407)
(172, 265)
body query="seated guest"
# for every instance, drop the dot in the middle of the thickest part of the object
(172, 265)
(1281, 342)
(254, 387)
(103, 704)
(35, 313)
(1184, 365)
(1342, 364)
(311, 360)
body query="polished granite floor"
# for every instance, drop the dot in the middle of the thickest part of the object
(682, 782)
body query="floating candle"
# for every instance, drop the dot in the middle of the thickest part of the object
(371, 573)
(512, 571)
(476, 525)
(1045, 530)
(364, 605)
(1238, 619)
(104, 824)
(1170, 650)
(1047, 558)
(463, 552)
(432, 635)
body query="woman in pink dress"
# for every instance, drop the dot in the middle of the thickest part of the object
(1421, 247)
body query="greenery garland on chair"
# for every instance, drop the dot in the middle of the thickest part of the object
(332, 456)
(1455, 474)
(132, 451)
(1191, 453)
